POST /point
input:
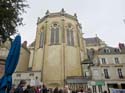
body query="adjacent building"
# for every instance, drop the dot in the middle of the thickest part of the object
(3, 55)
(94, 43)
(108, 69)
(4, 49)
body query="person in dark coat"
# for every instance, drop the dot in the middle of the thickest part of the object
(12, 89)
(20, 89)
(29, 89)
(56, 90)
(60, 90)
(44, 89)
(105, 91)
(89, 90)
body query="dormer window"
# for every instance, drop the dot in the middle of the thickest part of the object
(106, 50)
(116, 50)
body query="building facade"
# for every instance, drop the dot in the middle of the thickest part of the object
(29, 76)
(60, 55)
(3, 56)
(58, 48)
(108, 69)
(4, 49)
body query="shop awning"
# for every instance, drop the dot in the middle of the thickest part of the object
(77, 80)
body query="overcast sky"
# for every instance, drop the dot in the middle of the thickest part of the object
(101, 17)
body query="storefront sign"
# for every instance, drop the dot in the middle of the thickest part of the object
(118, 90)
(100, 83)
(96, 83)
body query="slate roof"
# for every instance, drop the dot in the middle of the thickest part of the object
(87, 61)
(93, 41)
(110, 50)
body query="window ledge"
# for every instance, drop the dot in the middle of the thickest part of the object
(105, 65)
(54, 44)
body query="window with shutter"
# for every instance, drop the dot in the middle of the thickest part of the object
(120, 73)
(106, 73)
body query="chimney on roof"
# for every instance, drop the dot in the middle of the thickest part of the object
(47, 12)
(121, 45)
(38, 19)
(75, 15)
(24, 44)
(62, 10)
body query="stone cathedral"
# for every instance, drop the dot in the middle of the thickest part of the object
(58, 48)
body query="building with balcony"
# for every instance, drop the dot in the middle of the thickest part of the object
(108, 69)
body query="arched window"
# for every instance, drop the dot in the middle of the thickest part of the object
(70, 36)
(54, 34)
(41, 39)
(41, 44)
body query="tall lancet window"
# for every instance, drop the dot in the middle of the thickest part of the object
(70, 36)
(54, 34)
(41, 43)
(41, 39)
